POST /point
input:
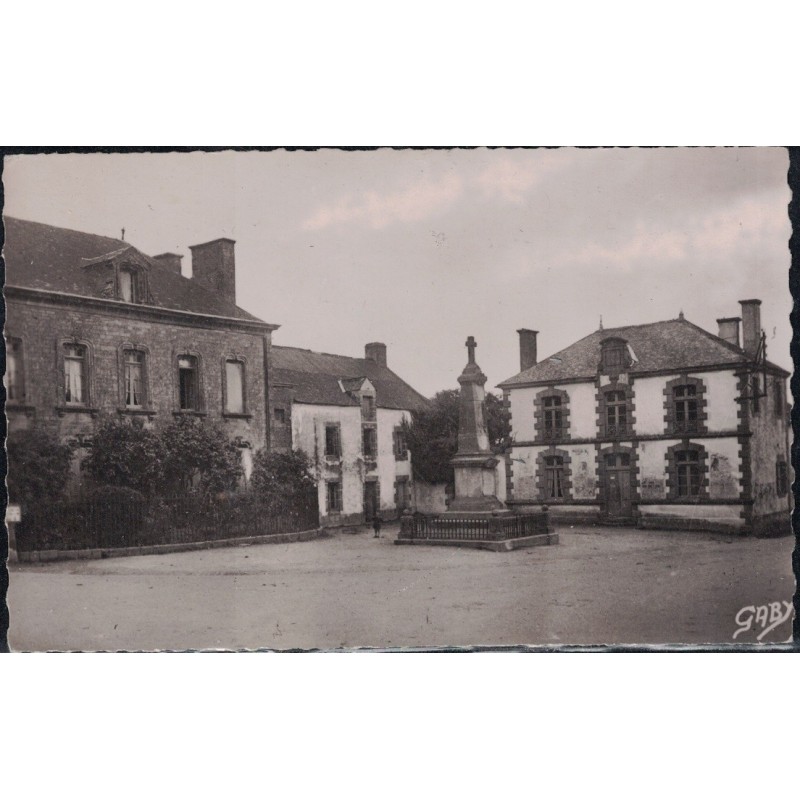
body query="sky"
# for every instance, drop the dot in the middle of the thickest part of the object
(422, 248)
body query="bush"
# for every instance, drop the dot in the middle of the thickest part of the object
(114, 515)
(199, 456)
(38, 468)
(282, 482)
(127, 455)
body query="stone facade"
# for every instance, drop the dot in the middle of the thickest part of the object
(694, 447)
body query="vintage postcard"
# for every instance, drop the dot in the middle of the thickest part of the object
(398, 398)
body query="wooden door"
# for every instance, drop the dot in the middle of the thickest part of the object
(618, 485)
(370, 500)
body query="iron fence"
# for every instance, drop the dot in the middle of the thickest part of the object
(165, 520)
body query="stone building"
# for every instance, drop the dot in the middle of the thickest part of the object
(95, 329)
(346, 414)
(661, 425)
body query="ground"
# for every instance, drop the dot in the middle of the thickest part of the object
(599, 585)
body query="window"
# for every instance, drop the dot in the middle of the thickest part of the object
(755, 393)
(400, 444)
(685, 399)
(75, 374)
(280, 416)
(134, 378)
(554, 477)
(334, 496)
(552, 415)
(368, 407)
(777, 389)
(369, 441)
(612, 358)
(129, 286)
(781, 479)
(688, 469)
(188, 384)
(234, 387)
(15, 375)
(333, 442)
(614, 460)
(616, 413)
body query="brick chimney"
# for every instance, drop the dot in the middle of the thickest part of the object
(751, 325)
(171, 261)
(214, 267)
(527, 348)
(729, 330)
(376, 351)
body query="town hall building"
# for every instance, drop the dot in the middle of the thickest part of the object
(659, 425)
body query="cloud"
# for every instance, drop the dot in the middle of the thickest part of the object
(416, 202)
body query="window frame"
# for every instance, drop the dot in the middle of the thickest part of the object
(551, 405)
(399, 443)
(676, 465)
(369, 433)
(335, 507)
(697, 396)
(88, 374)
(177, 355)
(545, 475)
(235, 358)
(337, 428)
(14, 346)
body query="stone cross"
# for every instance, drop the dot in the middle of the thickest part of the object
(471, 345)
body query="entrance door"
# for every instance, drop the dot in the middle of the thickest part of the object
(618, 485)
(370, 500)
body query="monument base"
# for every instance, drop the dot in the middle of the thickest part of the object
(503, 545)
(498, 530)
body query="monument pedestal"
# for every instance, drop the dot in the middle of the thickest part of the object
(476, 517)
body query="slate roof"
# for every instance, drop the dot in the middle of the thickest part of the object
(316, 377)
(671, 345)
(39, 256)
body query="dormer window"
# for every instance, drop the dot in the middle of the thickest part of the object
(613, 358)
(130, 285)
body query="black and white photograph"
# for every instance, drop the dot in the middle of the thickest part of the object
(334, 399)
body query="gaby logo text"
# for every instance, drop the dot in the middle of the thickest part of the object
(767, 617)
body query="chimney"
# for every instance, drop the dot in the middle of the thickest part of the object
(171, 261)
(729, 330)
(527, 348)
(376, 351)
(213, 267)
(751, 326)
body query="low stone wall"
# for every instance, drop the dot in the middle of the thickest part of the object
(38, 556)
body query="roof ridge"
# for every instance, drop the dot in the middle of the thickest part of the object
(70, 230)
(716, 339)
(316, 352)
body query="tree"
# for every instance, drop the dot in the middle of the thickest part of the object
(432, 434)
(126, 454)
(38, 467)
(199, 455)
(282, 481)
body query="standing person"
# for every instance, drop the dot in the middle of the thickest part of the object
(376, 526)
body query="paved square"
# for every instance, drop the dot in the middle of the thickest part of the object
(599, 585)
